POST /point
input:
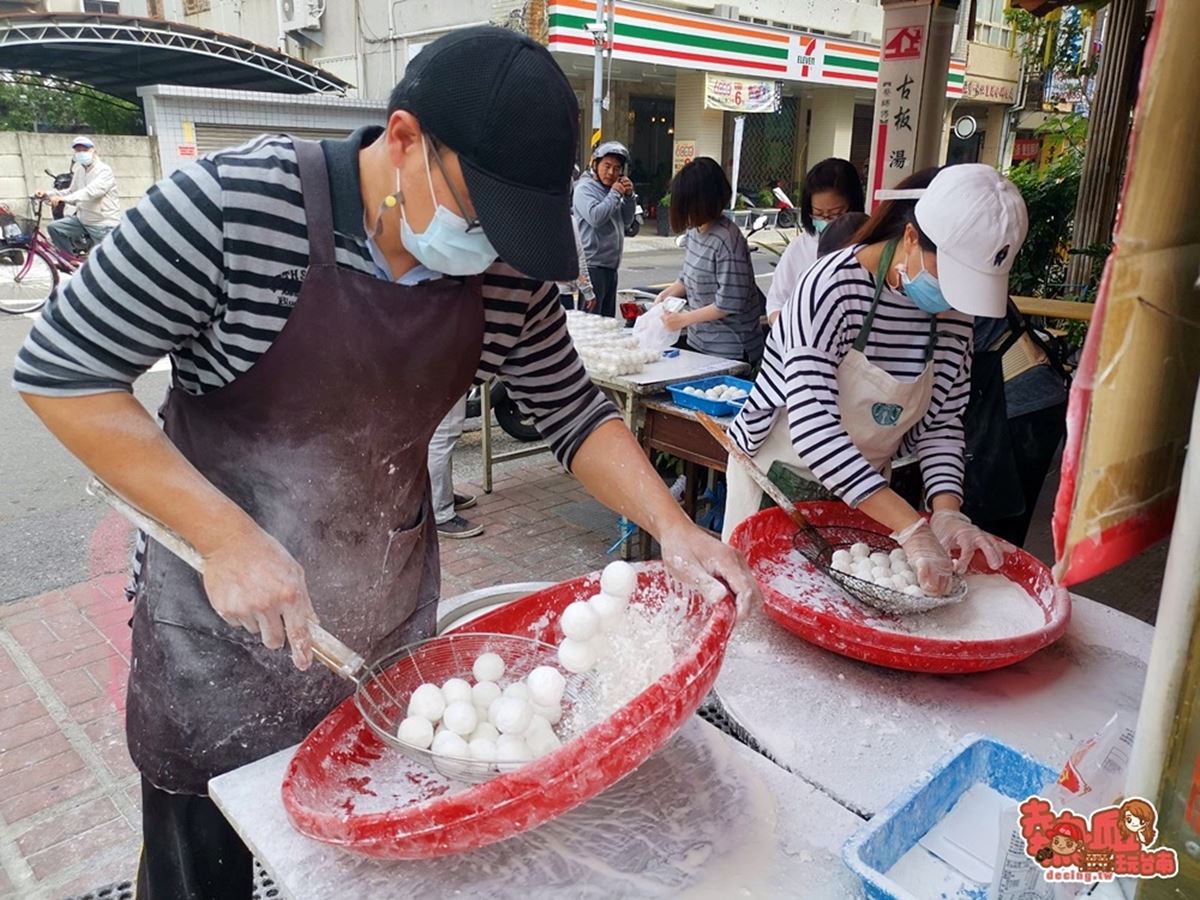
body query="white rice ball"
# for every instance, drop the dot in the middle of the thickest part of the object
(898, 557)
(914, 591)
(842, 558)
(546, 685)
(579, 621)
(609, 610)
(485, 729)
(483, 693)
(905, 578)
(860, 550)
(447, 743)
(460, 717)
(517, 689)
(576, 656)
(551, 712)
(457, 690)
(417, 731)
(619, 579)
(488, 667)
(483, 749)
(511, 715)
(512, 749)
(543, 744)
(881, 560)
(879, 574)
(427, 702)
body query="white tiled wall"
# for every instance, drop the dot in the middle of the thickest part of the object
(168, 107)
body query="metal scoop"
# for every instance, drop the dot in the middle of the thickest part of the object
(818, 545)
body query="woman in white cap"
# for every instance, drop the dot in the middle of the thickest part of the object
(872, 359)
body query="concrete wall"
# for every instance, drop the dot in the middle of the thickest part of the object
(838, 17)
(24, 156)
(695, 123)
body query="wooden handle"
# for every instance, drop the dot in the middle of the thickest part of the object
(330, 651)
(760, 477)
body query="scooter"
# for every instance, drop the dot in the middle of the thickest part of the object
(639, 217)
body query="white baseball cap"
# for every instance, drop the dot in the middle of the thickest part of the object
(82, 140)
(978, 220)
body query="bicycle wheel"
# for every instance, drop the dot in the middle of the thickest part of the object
(27, 278)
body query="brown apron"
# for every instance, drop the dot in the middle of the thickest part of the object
(323, 442)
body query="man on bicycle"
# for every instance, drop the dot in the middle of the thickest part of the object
(93, 193)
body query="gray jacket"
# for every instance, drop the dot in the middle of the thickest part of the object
(602, 215)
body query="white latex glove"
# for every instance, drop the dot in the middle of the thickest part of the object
(927, 556)
(700, 561)
(957, 532)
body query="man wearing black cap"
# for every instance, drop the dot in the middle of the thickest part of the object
(323, 305)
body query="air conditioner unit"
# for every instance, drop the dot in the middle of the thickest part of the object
(301, 14)
(725, 11)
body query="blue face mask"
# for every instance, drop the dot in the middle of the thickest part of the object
(924, 291)
(84, 157)
(445, 246)
(820, 225)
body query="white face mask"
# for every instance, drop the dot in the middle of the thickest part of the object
(445, 246)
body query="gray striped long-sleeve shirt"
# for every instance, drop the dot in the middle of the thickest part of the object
(798, 379)
(717, 270)
(208, 266)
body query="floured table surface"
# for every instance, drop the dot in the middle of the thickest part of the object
(705, 817)
(863, 733)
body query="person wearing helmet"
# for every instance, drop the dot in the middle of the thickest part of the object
(604, 206)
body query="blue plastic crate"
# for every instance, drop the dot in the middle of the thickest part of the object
(877, 846)
(718, 408)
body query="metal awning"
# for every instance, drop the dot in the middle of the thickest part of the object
(119, 54)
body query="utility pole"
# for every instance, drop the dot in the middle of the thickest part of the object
(600, 36)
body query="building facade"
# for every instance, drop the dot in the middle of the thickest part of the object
(818, 61)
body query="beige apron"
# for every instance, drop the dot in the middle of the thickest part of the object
(877, 411)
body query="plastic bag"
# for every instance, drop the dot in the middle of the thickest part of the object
(650, 331)
(1093, 777)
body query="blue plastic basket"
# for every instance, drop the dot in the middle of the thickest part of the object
(895, 830)
(718, 408)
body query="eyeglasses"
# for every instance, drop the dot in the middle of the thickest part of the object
(473, 225)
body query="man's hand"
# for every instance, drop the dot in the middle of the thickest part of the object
(712, 568)
(40, 195)
(254, 583)
(623, 185)
(56, 201)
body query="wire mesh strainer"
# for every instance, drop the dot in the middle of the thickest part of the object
(384, 688)
(819, 551)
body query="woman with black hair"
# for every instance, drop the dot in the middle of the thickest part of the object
(724, 304)
(831, 188)
(872, 358)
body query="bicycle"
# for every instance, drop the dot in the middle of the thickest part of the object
(31, 265)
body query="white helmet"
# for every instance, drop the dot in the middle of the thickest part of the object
(611, 148)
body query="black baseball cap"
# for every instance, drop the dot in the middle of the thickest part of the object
(501, 102)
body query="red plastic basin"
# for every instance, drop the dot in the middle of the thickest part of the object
(821, 615)
(345, 787)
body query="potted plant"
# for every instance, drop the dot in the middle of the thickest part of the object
(663, 219)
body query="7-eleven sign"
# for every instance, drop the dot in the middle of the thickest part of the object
(804, 61)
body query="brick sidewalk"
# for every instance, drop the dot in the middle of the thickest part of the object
(69, 795)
